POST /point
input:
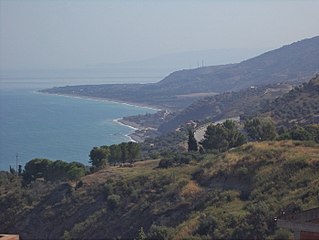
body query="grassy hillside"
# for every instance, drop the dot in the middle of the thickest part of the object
(231, 195)
(296, 62)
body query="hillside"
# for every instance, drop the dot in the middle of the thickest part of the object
(227, 105)
(231, 195)
(284, 103)
(300, 105)
(293, 63)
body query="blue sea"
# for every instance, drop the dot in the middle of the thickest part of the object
(36, 125)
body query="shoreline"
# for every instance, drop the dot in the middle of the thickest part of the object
(101, 99)
(132, 137)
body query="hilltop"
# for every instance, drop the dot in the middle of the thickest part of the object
(235, 194)
(293, 63)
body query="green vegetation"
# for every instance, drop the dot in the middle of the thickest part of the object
(306, 133)
(223, 136)
(167, 143)
(225, 189)
(52, 170)
(192, 143)
(234, 194)
(260, 129)
(98, 156)
(114, 154)
(299, 106)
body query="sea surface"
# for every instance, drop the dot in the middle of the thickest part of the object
(37, 125)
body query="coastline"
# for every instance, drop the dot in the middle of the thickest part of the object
(101, 99)
(133, 137)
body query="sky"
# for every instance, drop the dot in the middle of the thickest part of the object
(53, 34)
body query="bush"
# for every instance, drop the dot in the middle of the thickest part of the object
(207, 225)
(108, 190)
(165, 163)
(113, 201)
(282, 234)
(295, 165)
(160, 232)
(197, 173)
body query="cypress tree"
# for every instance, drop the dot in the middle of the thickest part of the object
(192, 143)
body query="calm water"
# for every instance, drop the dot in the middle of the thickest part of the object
(56, 127)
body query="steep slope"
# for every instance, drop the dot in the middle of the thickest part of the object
(244, 189)
(292, 63)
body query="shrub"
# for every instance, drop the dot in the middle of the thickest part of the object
(108, 190)
(165, 163)
(295, 165)
(197, 173)
(160, 232)
(113, 201)
(282, 234)
(207, 225)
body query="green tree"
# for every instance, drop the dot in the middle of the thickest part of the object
(299, 133)
(258, 217)
(222, 136)
(215, 138)
(133, 151)
(192, 143)
(260, 129)
(115, 154)
(57, 170)
(124, 152)
(233, 137)
(98, 156)
(36, 168)
(75, 173)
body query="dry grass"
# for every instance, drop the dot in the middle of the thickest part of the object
(185, 229)
(191, 190)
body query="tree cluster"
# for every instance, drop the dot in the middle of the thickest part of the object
(260, 129)
(114, 154)
(305, 133)
(223, 136)
(52, 170)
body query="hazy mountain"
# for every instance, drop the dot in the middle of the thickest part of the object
(184, 60)
(293, 63)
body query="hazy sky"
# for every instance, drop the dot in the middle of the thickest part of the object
(76, 33)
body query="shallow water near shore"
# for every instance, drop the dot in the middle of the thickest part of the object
(57, 127)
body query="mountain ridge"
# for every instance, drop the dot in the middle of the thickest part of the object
(294, 63)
